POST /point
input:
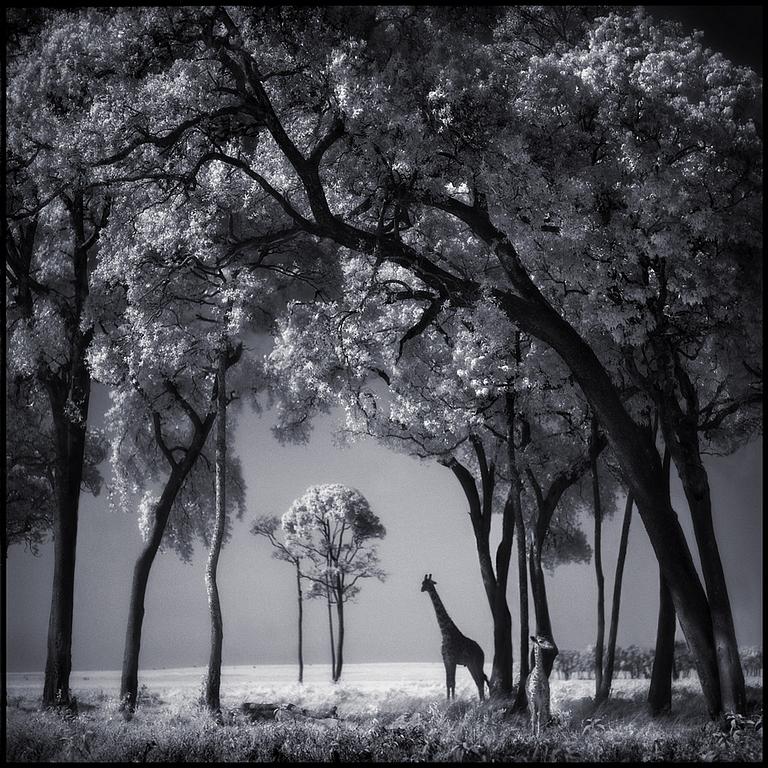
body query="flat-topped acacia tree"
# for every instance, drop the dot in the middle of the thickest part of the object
(333, 529)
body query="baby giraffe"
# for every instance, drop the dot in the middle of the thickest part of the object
(456, 648)
(537, 686)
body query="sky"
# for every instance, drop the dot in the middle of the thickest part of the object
(428, 530)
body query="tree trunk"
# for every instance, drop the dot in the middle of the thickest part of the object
(333, 643)
(340, 634)
(59, 658)
(598, 558)
(684, 447)
(213, 680)
(129, 685)
(610, 656)
(521, 698)
(660, 691)
(642, 471)
(301, 622)
(541, 608)
(69, 394)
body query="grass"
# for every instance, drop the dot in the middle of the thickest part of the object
(399, 722)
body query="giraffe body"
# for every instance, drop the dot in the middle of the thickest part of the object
(456, 648)
(537, 685)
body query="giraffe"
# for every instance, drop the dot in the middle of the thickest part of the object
(537, 685)
(456, 647)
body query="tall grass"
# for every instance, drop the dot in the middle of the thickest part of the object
(395, 726)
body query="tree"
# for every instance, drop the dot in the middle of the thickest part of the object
(268, 527)
(55, 219)
(331, 528)
(537, 161)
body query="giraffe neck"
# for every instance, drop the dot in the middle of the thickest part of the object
(539, 662)
(447, 627)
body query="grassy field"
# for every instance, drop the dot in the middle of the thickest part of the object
(387, 712)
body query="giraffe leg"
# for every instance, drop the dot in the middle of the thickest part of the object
(451, 677)
(479, 678)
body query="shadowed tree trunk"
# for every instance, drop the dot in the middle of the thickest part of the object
(681, 435)
(494, 580)
(521, 697)
(69, 391)
(610, 653)
(660, 691)
(598, 558)
(541, 608)
(179, 472)
(330, 629)
(300, 600)
(340, 633)
(213, 680)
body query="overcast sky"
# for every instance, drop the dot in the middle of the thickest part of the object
(424, 510)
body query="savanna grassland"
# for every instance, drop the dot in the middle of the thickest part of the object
(386, 712)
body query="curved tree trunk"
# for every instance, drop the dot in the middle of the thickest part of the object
(598, 558)
(301, 622)
(660, 691)
(129, 685)
(610, 654)
(213, 679)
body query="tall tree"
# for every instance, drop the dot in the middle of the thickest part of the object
(333, 529)
(268, 527)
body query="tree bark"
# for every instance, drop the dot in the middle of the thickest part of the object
(69, 394)
(521, 697)
(213, 679)
(598, 559)
(541, 607)
(610, 656)
(340, 633)
(333, 643)
(129, 685)
(660, 691)
(683, 444)
(301, 622)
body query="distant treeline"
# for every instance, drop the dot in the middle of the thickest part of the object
(634, 661)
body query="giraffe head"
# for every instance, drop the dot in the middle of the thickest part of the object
(543, 642)
(427, 583)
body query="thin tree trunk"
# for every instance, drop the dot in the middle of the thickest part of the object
(301, 622)
(333, 643)
(605, 690)
(598, 558)
(213, 680)
(340, 638)
(521, 698)
(129, 679)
